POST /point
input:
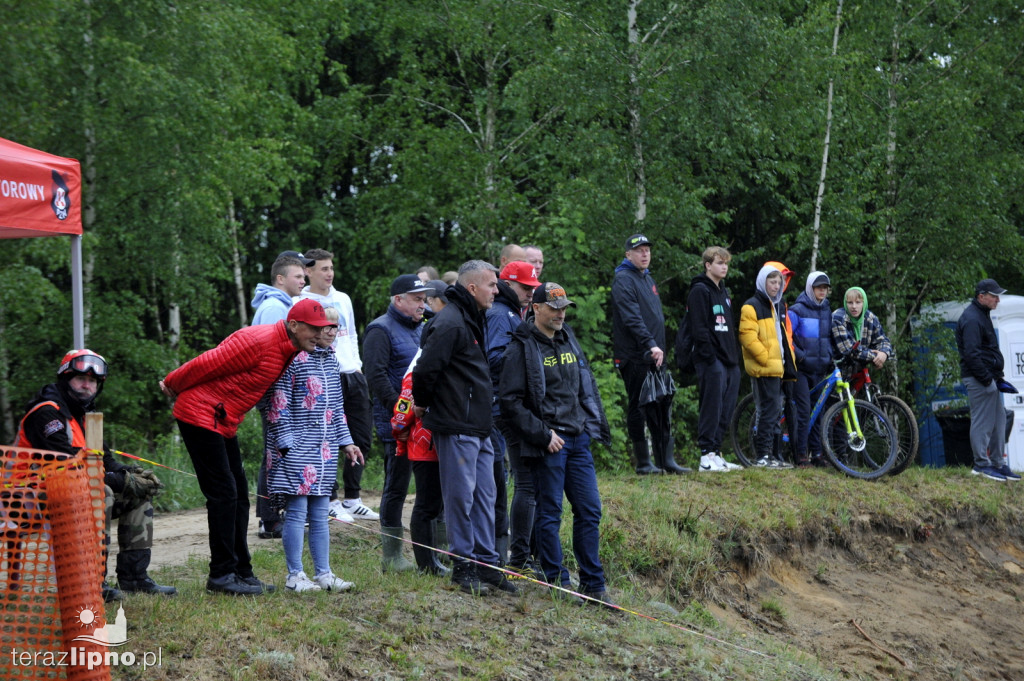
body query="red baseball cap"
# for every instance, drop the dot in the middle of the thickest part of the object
(521, 272)
(309, 312)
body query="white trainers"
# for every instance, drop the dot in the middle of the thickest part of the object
(726, 466)
(328, 581)
(709, 463)
(360, 512)
(337, 511)
(299, 583)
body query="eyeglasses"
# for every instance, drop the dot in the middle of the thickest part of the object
(329, 329)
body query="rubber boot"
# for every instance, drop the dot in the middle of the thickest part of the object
(391, 543)
(501, 546)
(441, 540)
(420, 531)
(643, 459)
(132, 576)
(667, 459)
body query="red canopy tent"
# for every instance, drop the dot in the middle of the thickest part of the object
(41, 195)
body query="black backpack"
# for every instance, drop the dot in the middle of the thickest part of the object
(684, 347)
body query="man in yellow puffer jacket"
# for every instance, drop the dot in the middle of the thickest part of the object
(767, 358)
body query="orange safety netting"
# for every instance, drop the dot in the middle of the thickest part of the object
(52, 564)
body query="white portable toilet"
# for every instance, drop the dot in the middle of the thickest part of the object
(1008, 321)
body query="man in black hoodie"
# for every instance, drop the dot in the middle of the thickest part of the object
(638, 341)
(716, 356)
(451, 388)
(55, 421)
(552, 410)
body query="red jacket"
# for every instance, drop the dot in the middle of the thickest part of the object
(217, 388)
(420, 445)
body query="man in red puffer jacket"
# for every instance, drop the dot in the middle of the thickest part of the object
(213, 392)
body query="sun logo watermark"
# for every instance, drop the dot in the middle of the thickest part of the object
(109, 635)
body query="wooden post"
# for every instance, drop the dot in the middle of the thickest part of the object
(94, 430)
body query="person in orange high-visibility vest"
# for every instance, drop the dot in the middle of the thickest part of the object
(55, 421)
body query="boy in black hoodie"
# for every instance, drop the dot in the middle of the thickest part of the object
(716, 356)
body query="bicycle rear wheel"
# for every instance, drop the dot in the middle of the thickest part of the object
(903, 421)
(867, 456)
(741, 430)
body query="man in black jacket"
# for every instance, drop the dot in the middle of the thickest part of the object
(452, 391)
(981, 368)
(638, 341)
(551, 406)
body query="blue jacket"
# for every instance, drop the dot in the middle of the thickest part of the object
(812, 334)
(389, 344)
(638, 323)
(502, 319)
(271, 304)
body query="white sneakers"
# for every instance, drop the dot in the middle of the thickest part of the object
(300, 583)
(337, 511)
(356, 508)
(712, 462)
(331, 582)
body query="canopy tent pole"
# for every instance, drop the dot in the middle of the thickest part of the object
(77, 298)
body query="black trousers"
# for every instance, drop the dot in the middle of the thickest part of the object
(359, 417)
(397, 474)
(657, 416)
(218, 465)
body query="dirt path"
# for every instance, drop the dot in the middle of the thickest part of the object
(180, 535)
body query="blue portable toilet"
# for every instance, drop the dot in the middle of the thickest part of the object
(937, 384)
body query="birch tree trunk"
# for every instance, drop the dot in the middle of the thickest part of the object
(824, 154)
(895, 76)
(236, 267)
(635, 115)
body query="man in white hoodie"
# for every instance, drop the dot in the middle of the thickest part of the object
(353, 383)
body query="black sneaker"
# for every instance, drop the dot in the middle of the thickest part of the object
(110, 594)
(496, 579)
(271, 529)
(145, 586)
(527, 571)
(601, 598)
(464, 576)
(230, 584)
(252, 580)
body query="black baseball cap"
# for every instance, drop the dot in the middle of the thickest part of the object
(989, 286)
(636, 241)
(408, 283)
(306, 262)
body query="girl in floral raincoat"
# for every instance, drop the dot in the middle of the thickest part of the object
(306, 432)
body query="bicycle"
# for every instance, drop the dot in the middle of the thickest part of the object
(899, 414)
(858, 438)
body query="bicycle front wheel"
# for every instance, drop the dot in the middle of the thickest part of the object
(868, 455)
(741, 430)
(903, 421)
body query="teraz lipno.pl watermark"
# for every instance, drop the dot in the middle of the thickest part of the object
(112, 635)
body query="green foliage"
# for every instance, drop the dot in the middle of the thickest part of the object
(434, 133)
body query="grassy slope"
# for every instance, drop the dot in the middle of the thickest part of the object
(665, 544)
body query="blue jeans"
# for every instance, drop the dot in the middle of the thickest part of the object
(570, 470)
(297, 509)
(466, 463)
